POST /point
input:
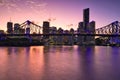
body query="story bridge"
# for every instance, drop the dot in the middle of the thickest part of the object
(112, 29)
(110, 32)
(31, 28)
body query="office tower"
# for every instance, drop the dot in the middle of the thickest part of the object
(92, 27)
(22, 31)
(72, 37)
(66, 38)
(46, 28)
(9, 27)
(16, 28)
(52, 30)
(53, 39)
(80, 30)
(86, 28)
(86, 23)
(86, 18)
(92, 30)
(59, 37)
(80, 27)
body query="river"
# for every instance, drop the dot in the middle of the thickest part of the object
(60, 63)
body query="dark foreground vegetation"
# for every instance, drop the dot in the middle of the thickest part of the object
(31, 42)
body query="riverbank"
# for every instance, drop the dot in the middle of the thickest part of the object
(27, 42)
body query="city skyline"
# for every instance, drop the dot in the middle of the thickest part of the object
(61, 13)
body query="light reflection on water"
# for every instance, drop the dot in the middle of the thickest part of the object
(59, 63)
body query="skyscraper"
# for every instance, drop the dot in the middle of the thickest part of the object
(80, 27)
(46, 26)
(9, 27)
(86, 28)
(86, 18)
(92, 27)
(16, 28)
(80, 30)
(60, 39)
(46, 29)
(92, 30)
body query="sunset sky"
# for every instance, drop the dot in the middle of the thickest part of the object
(62, 13)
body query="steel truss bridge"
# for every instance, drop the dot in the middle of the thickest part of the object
(113, 28)
(111, 31)
(34, 28)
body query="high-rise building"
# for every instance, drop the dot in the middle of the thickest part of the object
(80, 27)
(86, 18)
(22, 31)
(71, 38)
(60, 39)
(53, 30)
(86, 27)
(16, 28)
(53, 39)
(92, 30)
(9, 27)
(86, 23)
(80, 30)
(46, 29)
(92, 27)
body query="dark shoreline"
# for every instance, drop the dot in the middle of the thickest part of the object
(25, 42)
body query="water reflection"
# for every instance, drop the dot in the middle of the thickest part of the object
(59, 63)
(86, 54)
(17, 50)
(105, 63)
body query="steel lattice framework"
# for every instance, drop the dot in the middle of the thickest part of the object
(113, 28)
(34, 28)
